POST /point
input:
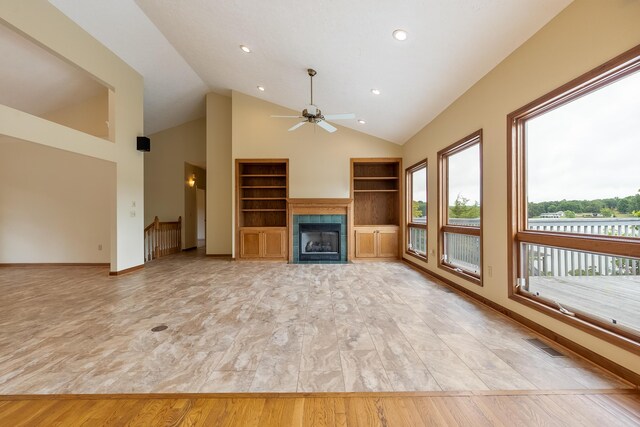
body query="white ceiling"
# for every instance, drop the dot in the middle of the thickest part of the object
(35, 81)
(451, 45)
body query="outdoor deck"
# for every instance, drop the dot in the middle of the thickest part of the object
(616, 297)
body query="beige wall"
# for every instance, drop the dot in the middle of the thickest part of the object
(165, 179)
(219, 206)
(319, 162)
(55, 206)
(89, 116)
(45, 24)
(586, 34)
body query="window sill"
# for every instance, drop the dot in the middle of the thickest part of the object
(602, 333)
(416, 255)
(476, 280)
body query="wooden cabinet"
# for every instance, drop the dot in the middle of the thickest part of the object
(261, 207)
(268, 243)
(376, 190)
(376, 242)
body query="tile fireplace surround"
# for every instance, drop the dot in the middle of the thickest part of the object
(319, 211)
(319, 219)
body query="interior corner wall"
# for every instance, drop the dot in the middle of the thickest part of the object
(583, 36)
(164, 170)
(55, 206)
(219, 197)
(46, 25)
(89, 116)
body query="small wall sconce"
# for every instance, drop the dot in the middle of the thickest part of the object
(192, 180)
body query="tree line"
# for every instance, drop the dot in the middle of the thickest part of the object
(606, 207)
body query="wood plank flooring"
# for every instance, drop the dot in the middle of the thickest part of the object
(367, 409)
(263, 327)
(605, 296)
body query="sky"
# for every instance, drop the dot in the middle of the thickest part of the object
(419, 185)
(587, 149)
(464, 175)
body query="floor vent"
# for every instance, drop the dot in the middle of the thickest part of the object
(552, 352)
(544, 347)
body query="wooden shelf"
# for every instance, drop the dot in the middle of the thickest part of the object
(375, 191)
(373, 178)
(375, 188)
(262, 193)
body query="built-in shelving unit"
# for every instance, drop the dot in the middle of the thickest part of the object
(262, 195)
(375, 190)
(262, 192)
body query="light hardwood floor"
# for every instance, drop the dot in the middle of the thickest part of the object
(582, 409)
(263, 327)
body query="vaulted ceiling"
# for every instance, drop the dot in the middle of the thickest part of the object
(186, 48)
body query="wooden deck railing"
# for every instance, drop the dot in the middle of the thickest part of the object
(547, 261)
(162, 238)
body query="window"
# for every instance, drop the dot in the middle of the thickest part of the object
(575, 202)
(416, 238)
(460, 235)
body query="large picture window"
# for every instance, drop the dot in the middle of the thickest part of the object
(460, 219)
(575, 201)
(416, 185)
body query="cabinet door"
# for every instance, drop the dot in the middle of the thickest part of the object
(366, 243)
(275, 244)
(387, 243)
(250, 243)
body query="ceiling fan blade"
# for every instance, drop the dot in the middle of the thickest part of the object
(288, 117)
(326, 126)
(296, 126)
(345, 116)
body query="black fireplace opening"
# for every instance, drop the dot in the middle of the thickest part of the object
(319, 242)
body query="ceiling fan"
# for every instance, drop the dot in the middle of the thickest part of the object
(312, 113)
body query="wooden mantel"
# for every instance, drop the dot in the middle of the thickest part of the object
(321, 207)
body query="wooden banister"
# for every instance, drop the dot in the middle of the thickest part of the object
(162, 238)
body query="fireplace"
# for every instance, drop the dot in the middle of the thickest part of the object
(324, 223)
(319, 241)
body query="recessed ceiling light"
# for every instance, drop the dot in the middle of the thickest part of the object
(375, 91)
(245, 49)
(261, 88)
(361, 121)
(400, 35)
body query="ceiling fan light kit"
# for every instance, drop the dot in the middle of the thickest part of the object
(312, 113)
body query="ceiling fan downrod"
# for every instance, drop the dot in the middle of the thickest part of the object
(311, 73)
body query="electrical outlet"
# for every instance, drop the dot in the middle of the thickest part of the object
(132, 213)
(432, 252)
(490, 270)
(99, 247)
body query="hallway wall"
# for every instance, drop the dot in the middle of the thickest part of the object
(164, 170)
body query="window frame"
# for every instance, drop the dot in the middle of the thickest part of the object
(443, 205)
(408, 173)
(607, 73)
